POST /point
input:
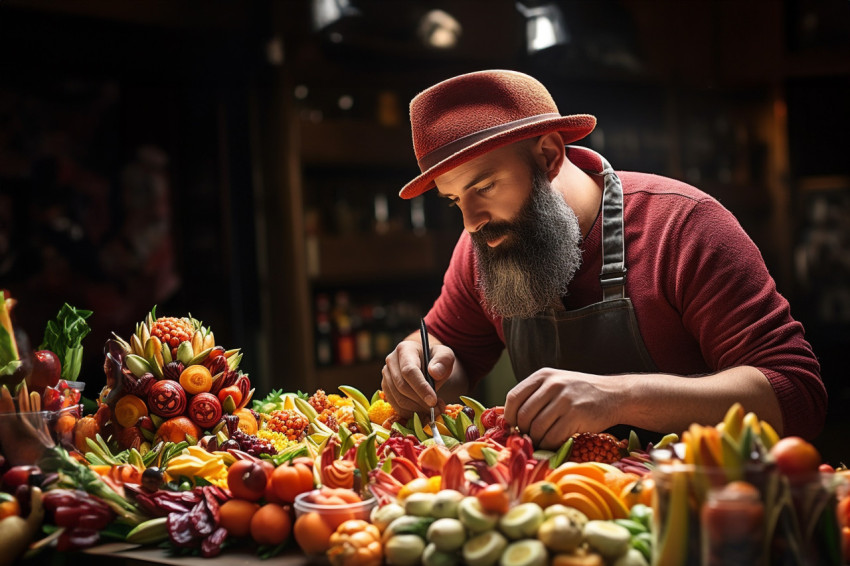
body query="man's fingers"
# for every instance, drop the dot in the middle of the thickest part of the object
(416, 385)
(532, 407)
(517, 397)
(542, 423)
(404, 404)
(442, 362)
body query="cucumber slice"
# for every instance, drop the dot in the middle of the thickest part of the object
(445, 504)
(573, 514)
(484, 549)
(419, 504)
(607, 538)
(522, 521)
(559, 534)
(527, 552)
(448, 535)
(433, 557)
(473, 517)
(404, 550)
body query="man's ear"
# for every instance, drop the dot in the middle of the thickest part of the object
(550, 154)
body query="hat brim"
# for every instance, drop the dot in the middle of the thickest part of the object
(572, 128)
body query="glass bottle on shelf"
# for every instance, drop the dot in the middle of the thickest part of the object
(344, 340)
(324, 333)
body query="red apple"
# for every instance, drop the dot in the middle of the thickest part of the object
(795, 457)
(46, 371)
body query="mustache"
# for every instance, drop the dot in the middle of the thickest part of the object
(491, 231)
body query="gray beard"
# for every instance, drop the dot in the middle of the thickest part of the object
(532, 269)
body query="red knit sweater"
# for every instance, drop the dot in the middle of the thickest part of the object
(703, 299)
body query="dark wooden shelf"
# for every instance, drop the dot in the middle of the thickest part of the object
(372, 257)
(356, 143)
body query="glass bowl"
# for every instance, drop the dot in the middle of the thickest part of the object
(331, 517)
(24, 437)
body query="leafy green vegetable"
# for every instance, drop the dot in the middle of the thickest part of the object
(63, 337)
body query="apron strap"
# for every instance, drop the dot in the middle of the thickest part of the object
(613, 275)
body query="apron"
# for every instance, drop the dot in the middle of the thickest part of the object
(602, 338)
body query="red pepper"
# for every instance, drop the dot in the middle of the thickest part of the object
(404, 470)
(453, 476)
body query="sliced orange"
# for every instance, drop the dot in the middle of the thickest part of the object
(584, 504)
(196, 379)
(129, 409)
(582, 469)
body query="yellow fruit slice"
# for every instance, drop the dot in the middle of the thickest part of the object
(614, 503)
(583, 469)
(569, 486)
(584, 504)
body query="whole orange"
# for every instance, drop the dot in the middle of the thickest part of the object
(312, 533)
(271, 525)
(291, 480)
(236, 515)
(176, 429)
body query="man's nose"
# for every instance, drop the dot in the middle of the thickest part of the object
(474, 219)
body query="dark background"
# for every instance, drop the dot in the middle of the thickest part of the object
(224, 158)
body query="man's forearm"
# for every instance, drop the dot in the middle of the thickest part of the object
(671, 403)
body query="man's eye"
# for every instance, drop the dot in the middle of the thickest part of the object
(484, 189)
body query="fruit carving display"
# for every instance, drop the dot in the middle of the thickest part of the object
(180, 454)
(166, 382)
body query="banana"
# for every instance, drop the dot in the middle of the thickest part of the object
(321, 428)
(151, 531)
(751, 421)
(197, 341)
(768, 434)
(382, 433)
(136, 345)
(209, 340)
(166, 356)
(357, 396)
(673, 541)
(306, 409)
(144, 334)
(732, 462)
(200, 356)
(733, 422)
(153, 355)
(667, 440)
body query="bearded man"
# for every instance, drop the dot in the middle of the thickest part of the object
(623, 298)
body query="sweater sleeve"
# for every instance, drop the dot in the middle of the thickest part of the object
(459, 320)
(729, 302)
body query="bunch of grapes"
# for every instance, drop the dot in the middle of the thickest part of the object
(253, 445)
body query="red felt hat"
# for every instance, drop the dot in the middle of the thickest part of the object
(466, 116)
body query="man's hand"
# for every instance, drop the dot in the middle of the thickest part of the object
(404, 384)
(551, 405)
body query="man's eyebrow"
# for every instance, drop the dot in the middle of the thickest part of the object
(477, 179)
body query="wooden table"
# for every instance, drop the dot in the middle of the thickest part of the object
(133, 554)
